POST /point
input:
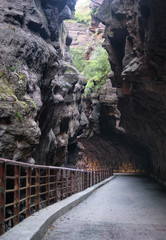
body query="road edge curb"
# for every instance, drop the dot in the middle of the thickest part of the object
(35, 226)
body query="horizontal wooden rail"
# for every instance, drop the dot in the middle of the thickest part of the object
(27, 188)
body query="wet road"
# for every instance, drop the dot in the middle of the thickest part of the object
(126, 208)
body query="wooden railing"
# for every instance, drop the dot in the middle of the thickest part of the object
(27, 188)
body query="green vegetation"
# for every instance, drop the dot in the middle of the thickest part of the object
(78, 58)
(83, 12)
(5, 89)
(21, 76)
(95, 70)
(94, 11)
(19, 116)
(23, 106)
(14, 67)
(82, 17)
(33, 104)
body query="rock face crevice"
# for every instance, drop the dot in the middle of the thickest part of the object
(135, 39)
(40, 90)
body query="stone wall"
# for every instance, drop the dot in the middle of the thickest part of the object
(40, 91)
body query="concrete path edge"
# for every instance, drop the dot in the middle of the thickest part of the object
(35, 226)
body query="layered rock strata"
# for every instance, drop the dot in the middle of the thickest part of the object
(40, 92)
(135, 37)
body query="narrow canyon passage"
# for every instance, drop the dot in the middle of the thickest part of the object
(126, 208)
(83, 88)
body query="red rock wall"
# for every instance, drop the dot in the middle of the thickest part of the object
(135, 37)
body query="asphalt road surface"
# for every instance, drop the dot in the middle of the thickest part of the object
(126, 208)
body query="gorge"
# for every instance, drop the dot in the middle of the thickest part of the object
(44, 118)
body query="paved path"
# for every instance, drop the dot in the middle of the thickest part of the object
(126, 208)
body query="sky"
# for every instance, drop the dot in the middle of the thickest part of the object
(80, 2)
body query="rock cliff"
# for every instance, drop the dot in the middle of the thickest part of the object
(40, 91)
(135, 37)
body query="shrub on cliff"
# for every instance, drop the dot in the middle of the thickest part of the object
(83, 13)
(82, 17)
(96, 70)
(78, 58)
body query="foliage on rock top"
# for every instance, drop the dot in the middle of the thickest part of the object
(95, 70)
(83, 13)
(81, 17)
(78, 58)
